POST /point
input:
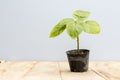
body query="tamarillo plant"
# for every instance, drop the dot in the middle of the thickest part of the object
(75, 26)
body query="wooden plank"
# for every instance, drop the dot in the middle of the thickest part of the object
(67, 75)
(14, 70)
(57, 71)
(108, 70)
(44, 71)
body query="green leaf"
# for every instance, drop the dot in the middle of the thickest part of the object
(81, 15)
(60, 27)
(74, 29)
(79, 27)
(91, 27)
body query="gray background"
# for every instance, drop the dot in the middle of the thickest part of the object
(25, 26)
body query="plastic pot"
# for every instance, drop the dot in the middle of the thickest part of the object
(78, 60)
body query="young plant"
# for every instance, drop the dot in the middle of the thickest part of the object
(75, 26)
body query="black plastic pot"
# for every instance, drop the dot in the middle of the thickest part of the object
(78, 61)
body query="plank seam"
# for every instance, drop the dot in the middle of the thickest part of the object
(100, 74)
(60, 71)
(29, 70)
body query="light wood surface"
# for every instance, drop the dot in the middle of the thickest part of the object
(33, 70)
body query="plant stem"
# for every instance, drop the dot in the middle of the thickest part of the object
(78, 47)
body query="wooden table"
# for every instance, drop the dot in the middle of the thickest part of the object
(33, 70)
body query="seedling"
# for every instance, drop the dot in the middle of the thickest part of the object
(76, 25)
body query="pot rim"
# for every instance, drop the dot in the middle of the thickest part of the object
(74, 50)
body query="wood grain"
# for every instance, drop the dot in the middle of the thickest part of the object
(14, 70)
(33, 70)
(108, 70)
(44, 71)
(67, 75)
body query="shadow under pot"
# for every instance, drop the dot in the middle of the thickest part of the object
(78, 60)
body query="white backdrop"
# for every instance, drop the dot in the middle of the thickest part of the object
(25, 26)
